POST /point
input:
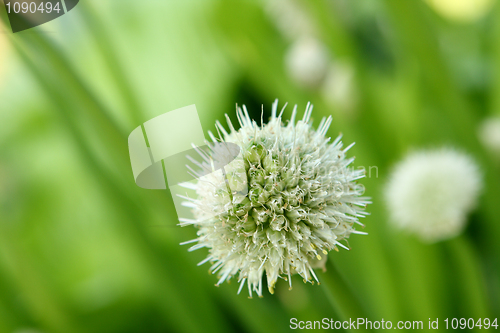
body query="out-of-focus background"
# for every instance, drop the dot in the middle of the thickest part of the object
(83, 249)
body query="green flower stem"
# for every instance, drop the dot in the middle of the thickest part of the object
(495, 45)
(105, 43)
(420, 278)
(82, 105)
(469, 277)
(340, 294)
(270, 318)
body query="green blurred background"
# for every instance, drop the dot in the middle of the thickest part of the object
(83, 249)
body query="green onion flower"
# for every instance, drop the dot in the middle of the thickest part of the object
(430, 193)
(302, 201)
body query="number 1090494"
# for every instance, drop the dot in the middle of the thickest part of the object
(32, 7)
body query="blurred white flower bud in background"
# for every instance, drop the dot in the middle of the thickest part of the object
(489, 134)
(461, 10)
(290, 19)
(307, 62)
(430, 193)
(338, 88)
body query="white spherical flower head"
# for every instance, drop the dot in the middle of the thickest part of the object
(307, 62)
(302, 201)
(430, 193)
(489, 134)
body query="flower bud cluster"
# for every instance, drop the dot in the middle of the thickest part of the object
(293, 213)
